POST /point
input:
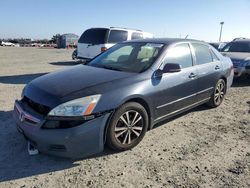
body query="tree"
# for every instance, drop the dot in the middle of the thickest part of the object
(55, 38)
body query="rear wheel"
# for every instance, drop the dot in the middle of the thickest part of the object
(218, 94)
(127, 127)
(74, 55)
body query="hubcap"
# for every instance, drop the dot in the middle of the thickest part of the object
(128, 127)
(219, 93)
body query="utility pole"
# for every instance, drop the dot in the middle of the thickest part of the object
(221, 26)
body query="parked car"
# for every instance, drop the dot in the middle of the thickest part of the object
(119, 95)
(7, 43)
(215, 45)
(218, 45)
(96, 40)
(74, 54)
(239, 52)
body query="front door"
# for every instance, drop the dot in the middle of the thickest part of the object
(177, 90)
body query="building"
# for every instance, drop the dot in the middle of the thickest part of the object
(67, 40)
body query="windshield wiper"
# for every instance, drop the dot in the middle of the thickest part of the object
(111, 68)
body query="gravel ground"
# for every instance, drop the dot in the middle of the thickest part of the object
(201, 148)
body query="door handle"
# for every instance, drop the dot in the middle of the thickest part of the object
(217, 67)
(192, 75)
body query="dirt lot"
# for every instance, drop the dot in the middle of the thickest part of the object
(202, 148)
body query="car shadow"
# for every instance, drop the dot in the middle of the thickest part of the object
(19, 79)
(239, 82)
(16, 163)
(65, 63)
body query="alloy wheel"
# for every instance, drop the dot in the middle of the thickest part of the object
(129, 127)
(219, 93)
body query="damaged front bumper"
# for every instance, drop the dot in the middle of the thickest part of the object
(77, 142)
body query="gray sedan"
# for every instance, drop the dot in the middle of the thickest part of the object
(239, 52)
(115, 98)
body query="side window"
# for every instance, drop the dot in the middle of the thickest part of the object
(215, 58)
(116, 36)
(202, 53)
(136, 36)
(180, 54)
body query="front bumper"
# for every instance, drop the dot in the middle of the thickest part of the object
(240, 71)
(76, 142)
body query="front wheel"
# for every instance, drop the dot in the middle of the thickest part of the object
(218, 94)
(127, 127)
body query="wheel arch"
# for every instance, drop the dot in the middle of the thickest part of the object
(225, 80)
(138, 100)
(145, 105)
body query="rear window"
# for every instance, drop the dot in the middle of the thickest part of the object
(94, 36)
(237, 47)
(116, 36)
(136, 36)
(202, 53)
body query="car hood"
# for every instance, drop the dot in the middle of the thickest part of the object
(237, 56)
(51, 88)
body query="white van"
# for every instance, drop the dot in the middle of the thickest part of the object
(96, 40)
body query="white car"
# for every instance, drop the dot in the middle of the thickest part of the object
(7, 44)
(96, 40)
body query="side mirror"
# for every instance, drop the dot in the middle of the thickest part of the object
(171, 67)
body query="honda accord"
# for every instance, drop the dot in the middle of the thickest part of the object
(119, 95)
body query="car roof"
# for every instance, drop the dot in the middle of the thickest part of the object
(118, 28)
(166, 41)
(241, 40)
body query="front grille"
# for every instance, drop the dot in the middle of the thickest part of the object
(24, 116)
(39, 108)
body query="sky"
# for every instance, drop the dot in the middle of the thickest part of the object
(199, 19)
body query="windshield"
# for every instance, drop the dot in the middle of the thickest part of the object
(237, 47)
(94, 36)
(128, 57)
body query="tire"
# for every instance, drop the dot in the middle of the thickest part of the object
(123, 134)
(218, 94)
(74, 54)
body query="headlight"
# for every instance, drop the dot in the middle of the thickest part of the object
(78, 107)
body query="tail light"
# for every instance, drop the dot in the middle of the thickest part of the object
(103, 49)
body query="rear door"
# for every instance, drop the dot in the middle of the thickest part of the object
(91, 42)
(209, 69)
(178, 90)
